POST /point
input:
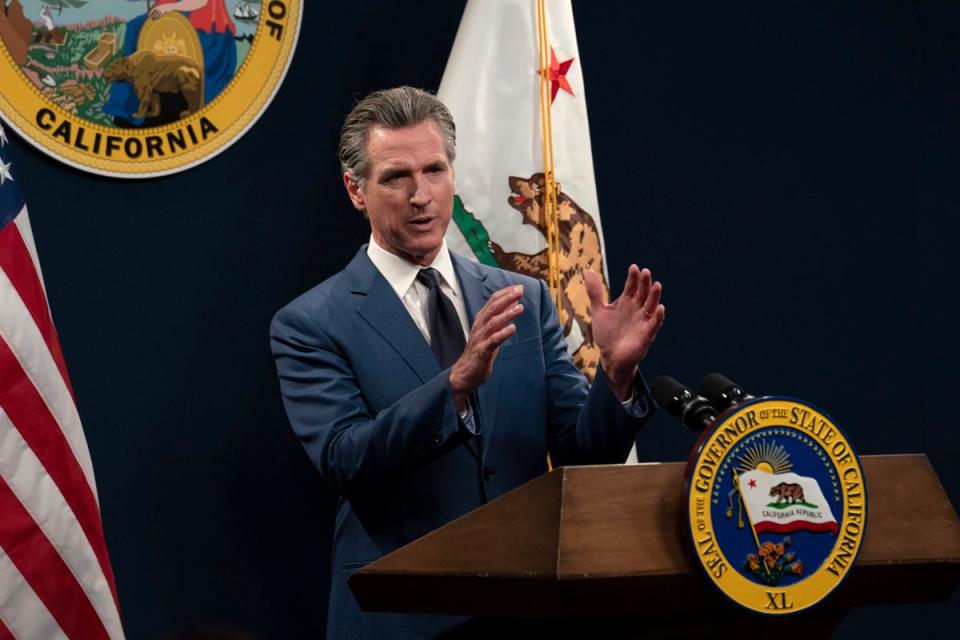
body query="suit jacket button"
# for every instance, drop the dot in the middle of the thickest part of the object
(436, 440)
(488, 473)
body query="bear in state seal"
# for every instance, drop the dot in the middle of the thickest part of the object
(152, 74)
(787, 491)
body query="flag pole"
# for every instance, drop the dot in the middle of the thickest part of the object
(756, 538)
(550, 188)
(549, 194)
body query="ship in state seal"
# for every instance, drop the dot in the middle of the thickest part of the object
(777, 505)
(141, 88)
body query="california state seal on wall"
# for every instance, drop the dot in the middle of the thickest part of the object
(777, 505)
(141, 88)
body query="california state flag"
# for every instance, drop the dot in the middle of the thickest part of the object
(492, 85)
(785, 502)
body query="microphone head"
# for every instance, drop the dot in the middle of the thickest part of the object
(670, 394)
(693, 411)
(722, 392)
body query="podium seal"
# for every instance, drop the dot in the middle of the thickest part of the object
(777, 505)
(141, 89)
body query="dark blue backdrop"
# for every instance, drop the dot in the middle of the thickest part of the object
(781, 167)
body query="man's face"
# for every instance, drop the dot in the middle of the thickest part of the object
(408, 195)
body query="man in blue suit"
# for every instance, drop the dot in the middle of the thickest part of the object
(422, 384)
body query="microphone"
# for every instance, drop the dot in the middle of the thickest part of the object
(695, 412)
(722, 392)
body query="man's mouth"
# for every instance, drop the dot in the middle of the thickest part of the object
(422, 221)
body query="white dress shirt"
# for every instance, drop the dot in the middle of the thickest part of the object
(402, 277)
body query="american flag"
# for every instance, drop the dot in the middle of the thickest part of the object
(55, 575)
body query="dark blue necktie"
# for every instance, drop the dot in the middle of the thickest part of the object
(446, 332)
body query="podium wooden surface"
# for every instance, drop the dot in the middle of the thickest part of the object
(612, 542)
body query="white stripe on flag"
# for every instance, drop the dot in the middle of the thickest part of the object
(19, 331)
(23, 224)
(23, 613)
(35, 489)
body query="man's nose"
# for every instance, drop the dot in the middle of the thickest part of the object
(421, 192)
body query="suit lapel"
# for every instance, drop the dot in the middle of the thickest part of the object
(476, 292)
(473, 284)
(384, 311)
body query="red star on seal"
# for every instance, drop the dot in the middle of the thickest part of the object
(558, 75)
(752, 483)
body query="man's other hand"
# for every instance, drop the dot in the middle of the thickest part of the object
(492, 326)
(625, 328)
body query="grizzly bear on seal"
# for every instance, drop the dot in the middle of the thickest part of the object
(152, 74)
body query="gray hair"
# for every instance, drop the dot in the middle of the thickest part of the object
(395, 108)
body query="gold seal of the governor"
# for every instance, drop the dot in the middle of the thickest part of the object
(777, 505)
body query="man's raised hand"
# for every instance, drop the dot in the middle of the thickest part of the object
(491, 328)
(625, 328)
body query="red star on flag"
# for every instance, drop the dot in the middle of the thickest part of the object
(752, 483)
(558, 75)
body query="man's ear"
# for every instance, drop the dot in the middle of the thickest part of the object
(354, 191)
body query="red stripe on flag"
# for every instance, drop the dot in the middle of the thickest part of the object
(45, 571)
(16, 262)
(791, 527)
(5, 633)
(30, 414)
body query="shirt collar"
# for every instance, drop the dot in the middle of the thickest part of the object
(400, 273)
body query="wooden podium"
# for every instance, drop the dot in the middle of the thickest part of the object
(611, 543)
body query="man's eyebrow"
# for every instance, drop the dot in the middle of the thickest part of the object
(395, 172)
